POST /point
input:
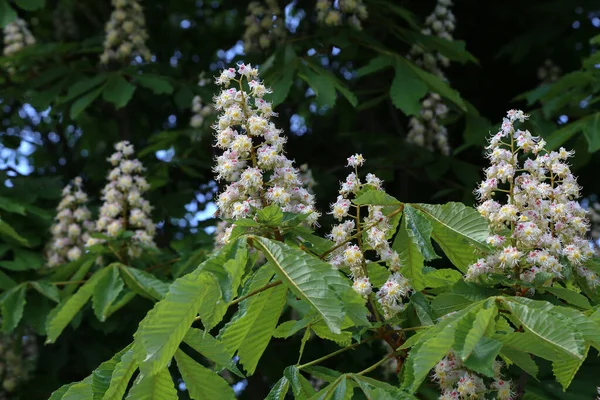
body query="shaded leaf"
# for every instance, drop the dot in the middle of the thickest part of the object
(201, 382)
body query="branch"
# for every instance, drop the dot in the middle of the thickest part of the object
(335, 353)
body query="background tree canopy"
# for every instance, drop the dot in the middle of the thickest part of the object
(338, 90)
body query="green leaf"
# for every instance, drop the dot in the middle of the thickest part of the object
(537, 318)
(482, 357)
(441, 277)
(458, 229)
(143, 283)
(338, 390)
(376, 198)
(165, 326)
(521, 360)
(6, 282)
(12, 207)
(375, 64)
(419, 230)
(83, 86)
(376, 389)
(407, 90)
(30, 5)
(301, 387)
(471, 329)
(342, 339)
(411, 258)
(153, 387)
(570, 297)
(158, 84)
(8, 232)
(24, 260)
(251, 332)
(591, 131)
(281, 87)
(315, 282)
(378, 274)
(106, 292)
(67, 309)
(79, 391)
(7, 13)
(118, 91)
(46, 289)
(422, 308)
(279, 390)
(446, 303)
(270, 215)
(60, 392)
(83, 102)
(211, 348)
(121, 376)
(529, 343)
(101, 376)
(565, 369)
(12, 305)
(323, 87)
(201, 382)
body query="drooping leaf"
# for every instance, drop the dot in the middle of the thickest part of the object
(419, 230)
(143, 283)
(342, 339)
(521, 360)
(211, 348)
(301, 387)
(79, 391)
(313, 281)
(7, 231)
(375, 64)
(471, 329)
(121, 376)
(565, 369)
(106, 292)
(407, 90)
(441, 277)
(67, 309)
(153, 387)
(458, 229)
(570, 296)
(411, 259)
(279, 390)
(12, 304)
(101, 376)
(251, 332)
(84, 102)
(483, 355)
(165, 326)
(118, 91)
(46, 289)
(158, 84)
(376, 197)
(338, 390)
(201, 382)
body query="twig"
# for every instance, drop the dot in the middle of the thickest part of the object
(257, 291)
(335, 353)
(378, 363)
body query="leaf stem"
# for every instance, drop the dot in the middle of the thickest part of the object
(67, 283)
(257, 291)
(377, 364)
(335, 353)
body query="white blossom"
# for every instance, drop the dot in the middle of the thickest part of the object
(265, 25)
(335, 13)
(126, 35)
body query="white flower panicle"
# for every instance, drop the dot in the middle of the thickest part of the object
(126, 33)
(124, 208)
(540, 225)
(548, 72)
(377, 228)
(199, 108)
(72, 225)
(265, 25)
(335, 13)
(426, 129)
(253, 163)
(457, 382)
(16, 37)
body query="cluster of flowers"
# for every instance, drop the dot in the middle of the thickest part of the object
(548, 72)
(18, 357)
(70, 231)
(16, 37)
(126, 33)
(457, 382)
(124, 208)
(201, 110)
(265, 25)
(65, 27)
(541, 222)
(333, 13)
(253, 163)
(377, 230)
(426, 129)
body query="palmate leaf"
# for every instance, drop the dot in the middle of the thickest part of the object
(250, 332)
(315, 282)
(67, 309)
(197, 293)
(482, 357)
(143, 283)
(153, 387)
(458, 230)
(201, 382)
(470, 330)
